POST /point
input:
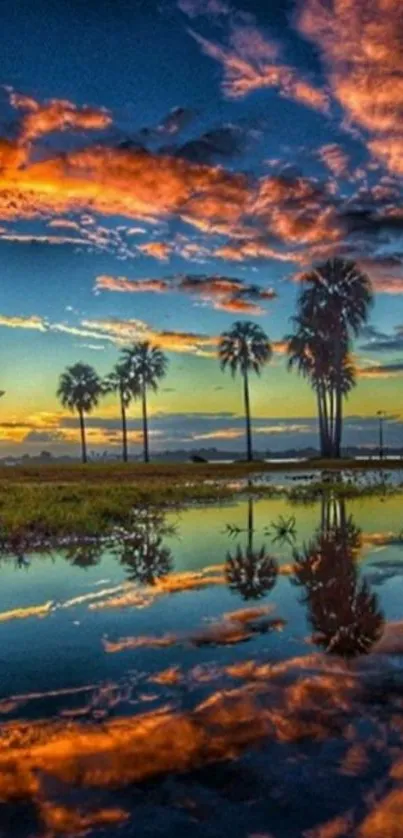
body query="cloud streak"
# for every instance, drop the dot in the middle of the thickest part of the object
(251, 62)
(56, 115)
(223, 293)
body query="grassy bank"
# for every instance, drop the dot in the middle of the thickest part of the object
(174, 473)
(55, 501)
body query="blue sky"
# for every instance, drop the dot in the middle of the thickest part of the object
(164, 167)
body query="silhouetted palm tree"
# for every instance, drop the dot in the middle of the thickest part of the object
(119, 381)
(309, 354)
(335, 298)
(147, 365)
(245, 348)
(333, 305)
(80, 389)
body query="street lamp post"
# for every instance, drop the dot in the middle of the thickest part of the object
(381, 414)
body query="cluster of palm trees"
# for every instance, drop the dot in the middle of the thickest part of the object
(332, 307)
(138, 370)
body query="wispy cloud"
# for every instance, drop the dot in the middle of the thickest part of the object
(56, 115)
(15, 322)
(382, 371)
(251, 62)
(221, 292)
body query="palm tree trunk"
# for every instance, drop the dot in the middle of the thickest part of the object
(339, 423)
(249, 452)
(320, 420)
(145, 423)
(332, 423)
(124, 429)
(325, 421)
(250, 525)
(83, 441)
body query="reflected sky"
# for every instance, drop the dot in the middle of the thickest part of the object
(198, 618)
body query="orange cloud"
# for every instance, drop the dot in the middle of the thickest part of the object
(56, 115)
(126, 331)
(160, 250)
(381, 371)
(223, 293)
(251, 62)
(386, 275)
(390, 151)
(335, 158)
(34, 322)
(361, 48)
(240, 251)
(238, 305)
(131, 183)
(122, 284)
(224, 433)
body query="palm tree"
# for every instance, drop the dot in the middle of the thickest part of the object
(119, 381)
(245, 348)
(80, 389)
(147, 365)
(307, 353)
(336, 296)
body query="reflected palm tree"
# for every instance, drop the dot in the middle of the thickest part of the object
(145, 560)
(85, 554)
(342, 610)
(141, 551)
(250, 572)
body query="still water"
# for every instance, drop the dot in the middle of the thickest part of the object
(228, 668)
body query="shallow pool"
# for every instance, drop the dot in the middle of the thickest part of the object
(233, 667)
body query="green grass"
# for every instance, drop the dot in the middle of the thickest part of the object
(52, 501)
(176, 472)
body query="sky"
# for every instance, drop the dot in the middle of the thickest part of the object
(168, 167)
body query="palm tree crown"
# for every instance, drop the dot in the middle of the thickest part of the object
(338, 292)
(244, 347)
(146, 364)
(120, 381)
(80, 388)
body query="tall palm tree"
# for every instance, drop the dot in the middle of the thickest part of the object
(80, 389)
(147, 365)
(119, 381)
(245, 348)
(308, 353)
(337, 295)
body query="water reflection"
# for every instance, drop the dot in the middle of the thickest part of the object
(140, 548)
(248, 571)
(142, 551)
(84, 555)
(342, 610)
